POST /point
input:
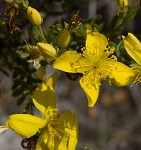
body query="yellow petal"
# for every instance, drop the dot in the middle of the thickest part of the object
(90, 83)
(72, 142)
(49, 141)
(95, 44)
(65, 61)
(44, 98)
(52, 144)
(67, 124)
(66, 128)
(119, 73)
(133, 47)
(43, 140)
(41, 73)
(63, 144)
(51, 81)
(73, 138)
(25, 125)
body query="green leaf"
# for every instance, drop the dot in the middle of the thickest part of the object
(17, 82)
(18, 72)
(130, 16)
(21, 99)
(113, 23)
(19, 91)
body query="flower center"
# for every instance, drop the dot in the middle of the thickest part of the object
(52, 122)
(105, 55)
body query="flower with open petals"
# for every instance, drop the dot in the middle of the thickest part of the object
(54, 131)
(95, 63)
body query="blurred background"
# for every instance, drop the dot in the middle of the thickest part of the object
(114, 123)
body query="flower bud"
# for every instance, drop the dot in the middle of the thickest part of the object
(134, 42)
(12, 12)
(64, 38)
(133, 47)
(34, 16)
(88, 28)
(122, 3)
(47, 50)
(34, 51)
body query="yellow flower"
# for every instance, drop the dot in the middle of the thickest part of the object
(47, 50)
(55, 131)
(64, 38)
(122, 3)
(34, 16)
(95, 63)
(133, 48)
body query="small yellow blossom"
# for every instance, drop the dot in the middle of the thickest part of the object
(47, 50)
(55, 131)
(34, 16)
(122, 3)
(95, 63)
(64, 38)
